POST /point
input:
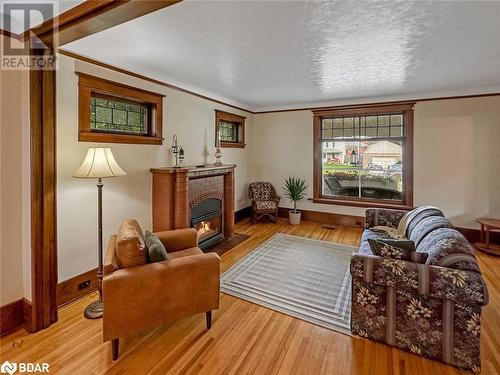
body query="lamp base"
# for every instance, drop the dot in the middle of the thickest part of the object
(94, 310)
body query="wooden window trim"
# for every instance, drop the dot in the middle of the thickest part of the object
(403, 107)
(88, 84)
(230, 117)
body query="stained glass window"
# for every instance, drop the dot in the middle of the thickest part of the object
(119, 116)
(228, 131)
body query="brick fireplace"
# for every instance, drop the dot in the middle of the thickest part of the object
(198, 197)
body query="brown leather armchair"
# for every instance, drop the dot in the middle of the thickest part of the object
(145, 296)
(264, 201)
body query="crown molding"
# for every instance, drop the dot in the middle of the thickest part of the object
(115, 68)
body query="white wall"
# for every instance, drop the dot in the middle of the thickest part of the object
(455, 160)
(15, 245)
(456, 156)
(190, 117)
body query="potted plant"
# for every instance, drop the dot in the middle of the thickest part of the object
(294, 189)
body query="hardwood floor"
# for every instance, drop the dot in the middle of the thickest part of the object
(245, 338)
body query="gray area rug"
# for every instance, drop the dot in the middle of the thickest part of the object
(304, 278)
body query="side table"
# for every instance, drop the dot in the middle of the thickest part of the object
(488, 224)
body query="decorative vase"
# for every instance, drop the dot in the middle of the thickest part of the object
(218, 156)
(293, 217)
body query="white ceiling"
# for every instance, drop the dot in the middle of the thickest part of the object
(17, 24)
(269, 55)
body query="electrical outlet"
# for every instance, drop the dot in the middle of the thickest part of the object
(84, 285)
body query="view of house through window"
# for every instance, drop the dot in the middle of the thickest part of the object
(363, 157)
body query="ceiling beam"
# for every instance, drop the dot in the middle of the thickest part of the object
(94, 16)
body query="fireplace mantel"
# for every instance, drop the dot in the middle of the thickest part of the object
(198, 171)
(177, 190)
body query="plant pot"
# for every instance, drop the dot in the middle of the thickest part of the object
(294, 218)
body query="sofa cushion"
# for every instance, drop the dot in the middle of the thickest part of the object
(131, 249)
(370, 233)
(185, 253)
(427, 225)
(365, 248)
(447, 247)
(419, 217)
(156, 249)
(397, 249)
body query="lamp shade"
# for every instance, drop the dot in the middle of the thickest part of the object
(99, 163)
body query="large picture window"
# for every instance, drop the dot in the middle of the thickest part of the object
(112, 112)
(363, 155)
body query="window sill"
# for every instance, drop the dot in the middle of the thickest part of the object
(232, 145)
(362, 203)
(119, 138)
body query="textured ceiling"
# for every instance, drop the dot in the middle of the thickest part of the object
(268, 55)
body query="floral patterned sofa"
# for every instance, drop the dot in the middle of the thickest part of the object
(431, 309)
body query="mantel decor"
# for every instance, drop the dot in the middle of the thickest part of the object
(99, 163)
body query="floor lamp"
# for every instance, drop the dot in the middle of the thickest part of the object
(99, 163)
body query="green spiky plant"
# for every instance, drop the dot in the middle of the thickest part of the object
(294, 189)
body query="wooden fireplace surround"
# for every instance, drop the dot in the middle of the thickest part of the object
(177, 190)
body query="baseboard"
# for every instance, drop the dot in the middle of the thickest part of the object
(327, 217)
(27, 315)
(15, 315)
(242, 214)
(72, 289)
(11, 317)
(474, 235)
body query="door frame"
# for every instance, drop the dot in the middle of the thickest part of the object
(83, 20)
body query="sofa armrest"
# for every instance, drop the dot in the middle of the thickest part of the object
(178, 239)
(383, 216)
(466, 287)
(145, 296)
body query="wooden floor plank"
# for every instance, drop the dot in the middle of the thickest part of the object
(245, 338)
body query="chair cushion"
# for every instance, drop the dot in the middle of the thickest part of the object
(397, 249)
(156, 249)
(131, 249)
(266, 205)
(185, 253)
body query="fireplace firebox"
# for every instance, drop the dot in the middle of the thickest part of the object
(206, 218)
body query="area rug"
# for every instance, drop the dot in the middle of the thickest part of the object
(304, 278)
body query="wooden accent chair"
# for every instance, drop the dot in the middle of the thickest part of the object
(138, 295)
(264, 201)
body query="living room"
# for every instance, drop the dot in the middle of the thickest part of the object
(382, 132)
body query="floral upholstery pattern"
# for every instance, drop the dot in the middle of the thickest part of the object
(396, 249)
(430, 309)
(426, 226)
(266, 205)
(373, 234)
(260, 191)
(390, 218)
(421, 216)
(449, 248)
